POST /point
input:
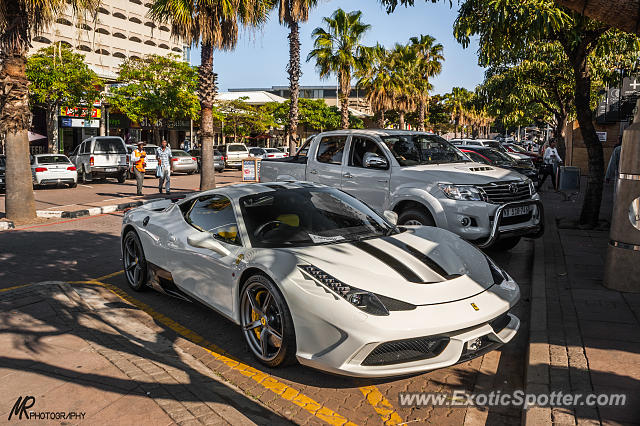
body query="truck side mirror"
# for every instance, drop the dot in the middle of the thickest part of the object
(376, 162)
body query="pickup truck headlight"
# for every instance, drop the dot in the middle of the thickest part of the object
(532, 187)
(462, 192)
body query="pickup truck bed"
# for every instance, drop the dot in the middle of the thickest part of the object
(271, 171)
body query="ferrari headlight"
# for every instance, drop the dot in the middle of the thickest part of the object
(361, 299)
(461, 192)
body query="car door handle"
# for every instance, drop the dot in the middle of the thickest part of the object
(347, 175)
(313, 172)
(383, 180)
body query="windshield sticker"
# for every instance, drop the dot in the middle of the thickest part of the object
(317, 239)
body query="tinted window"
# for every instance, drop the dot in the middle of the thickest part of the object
(236, 148)
(304, 149)
(331, 149)
(109, 146)
(214, 214)
(3, 162)
(178, 153)
(308, 216)
(52, 159)
(256, 151)
(361, 147)
(412, 150)
(477, 157)
(150, 150)
(215, 153)
(273, 150)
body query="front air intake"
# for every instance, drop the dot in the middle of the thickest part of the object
(407, 350)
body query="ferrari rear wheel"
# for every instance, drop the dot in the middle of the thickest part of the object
(134, 262)
(266, 323)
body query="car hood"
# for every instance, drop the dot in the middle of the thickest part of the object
(460, 173)
(422, 265)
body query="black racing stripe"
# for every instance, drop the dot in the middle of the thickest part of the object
(418, 255)
(393, 263)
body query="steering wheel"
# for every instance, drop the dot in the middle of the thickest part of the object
(262, 227)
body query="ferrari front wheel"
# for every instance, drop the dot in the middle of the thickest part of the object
(134, 262)
(266, 323)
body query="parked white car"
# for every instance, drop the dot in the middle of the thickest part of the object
(311, 274)
(101, 157)
(150, 160)
(53, 169)
(421, 177)
(233, 153)
(265, 153)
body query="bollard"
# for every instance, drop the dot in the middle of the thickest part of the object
(622, 267)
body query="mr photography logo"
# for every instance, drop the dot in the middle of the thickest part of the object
(21, 411)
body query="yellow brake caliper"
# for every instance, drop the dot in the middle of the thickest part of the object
(255, 316)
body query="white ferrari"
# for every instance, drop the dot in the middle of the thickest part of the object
(314, 275)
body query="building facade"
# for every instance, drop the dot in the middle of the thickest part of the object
(120, 29)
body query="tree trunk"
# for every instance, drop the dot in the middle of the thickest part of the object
(593, 196)
(207, 94)
(561, 120)
(421, 113)
(294, 85)
(381, 120)
(401, 120)
(52, 127)
(345, 91)
(15, 118)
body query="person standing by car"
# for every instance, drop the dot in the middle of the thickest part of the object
(138, 159)
(163, 154)
(550, 163)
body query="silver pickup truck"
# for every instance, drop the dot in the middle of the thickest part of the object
(423, 179)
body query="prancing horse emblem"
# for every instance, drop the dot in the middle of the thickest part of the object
(475, 307)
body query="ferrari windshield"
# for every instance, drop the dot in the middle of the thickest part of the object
(413, 150)
(308, 216)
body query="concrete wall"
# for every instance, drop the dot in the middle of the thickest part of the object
(576, 150)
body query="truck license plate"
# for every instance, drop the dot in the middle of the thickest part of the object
(516, 211)
(111, 170)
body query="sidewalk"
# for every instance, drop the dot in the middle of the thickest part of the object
(584, 337)
(66, 346)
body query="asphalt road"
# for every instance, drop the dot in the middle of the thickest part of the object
(87, 248)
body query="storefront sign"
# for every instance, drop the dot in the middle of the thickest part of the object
(80, 112)
(79, 122)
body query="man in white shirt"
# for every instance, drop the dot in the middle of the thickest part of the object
(163, 154)
(551, 159)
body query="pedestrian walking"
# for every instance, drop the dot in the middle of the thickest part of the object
(163, 154)
(549, 167)
(138, 159)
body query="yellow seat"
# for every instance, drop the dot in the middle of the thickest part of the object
(292, 220)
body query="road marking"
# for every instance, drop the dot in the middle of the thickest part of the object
(14, 287)
(382, 405)
(86, 186)
(267, 381)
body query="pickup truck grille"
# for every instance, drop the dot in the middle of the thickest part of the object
(506, 192)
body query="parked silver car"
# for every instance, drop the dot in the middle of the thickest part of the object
(265, 153)
(53, 169)
(181, 162)
(101, 157)
(218, 159)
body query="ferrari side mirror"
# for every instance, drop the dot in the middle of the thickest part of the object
(391, 216)
(206, 241)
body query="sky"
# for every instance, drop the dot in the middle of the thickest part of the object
(261, 56)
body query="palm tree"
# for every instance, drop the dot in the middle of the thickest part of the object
(213, 24)
(338, 50)
(403, 67)
(20, 20)
(292, 13)
(375, 79)
(430, 59)
(457, 102)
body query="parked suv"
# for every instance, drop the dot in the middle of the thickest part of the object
(423, 179)
(233, 153)
(151, 160)
(101, 157)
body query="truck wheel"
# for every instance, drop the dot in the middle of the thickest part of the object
(415, 217)
(122, 177)
(505, 244)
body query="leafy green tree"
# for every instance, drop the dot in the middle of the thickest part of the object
(315, 115)
(243, 120)
(457, 103)
(60, 77)
(19, 21)
(156, 88)
(376, 80)
(213, 24)
(338, 50)
(506, 27)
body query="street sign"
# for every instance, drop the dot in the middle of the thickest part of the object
(251, 170)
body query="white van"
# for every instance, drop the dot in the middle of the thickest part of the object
(233, 153)
(100, 157)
